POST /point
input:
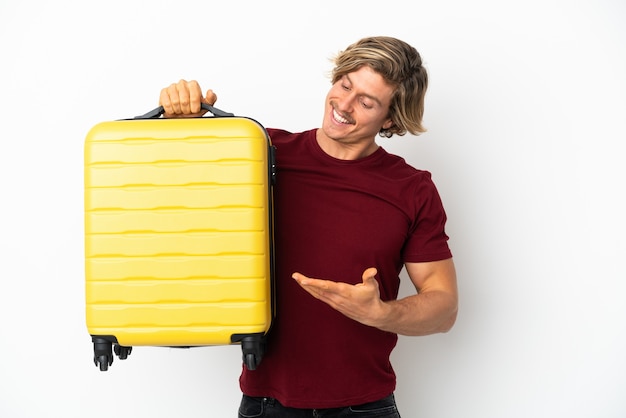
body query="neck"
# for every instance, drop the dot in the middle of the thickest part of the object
(345, 149)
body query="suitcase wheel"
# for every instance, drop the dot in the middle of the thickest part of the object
(250, 361)
(103, 361)
(102, 353)
(122, 352)
(103, 348)
(253, 349)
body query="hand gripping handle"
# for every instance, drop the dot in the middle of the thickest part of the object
(155, 113)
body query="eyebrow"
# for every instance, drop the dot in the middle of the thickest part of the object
(369, 96)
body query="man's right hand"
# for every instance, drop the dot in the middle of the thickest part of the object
(183, 99)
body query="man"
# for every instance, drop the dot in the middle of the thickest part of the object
(348, 217)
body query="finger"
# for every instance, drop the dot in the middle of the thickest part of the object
(369, 278)
(301, 279)
(166, 101)
(369, 274)
(194, 95)
(184, 97)
(170, 100)
(314, 286)
(210, 97)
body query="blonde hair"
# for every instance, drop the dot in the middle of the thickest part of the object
(401, 66)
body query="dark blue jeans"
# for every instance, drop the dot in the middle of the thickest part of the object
(270, 408)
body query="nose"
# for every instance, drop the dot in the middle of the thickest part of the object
(345, 102)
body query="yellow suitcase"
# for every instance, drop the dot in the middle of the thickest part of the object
(178, 234)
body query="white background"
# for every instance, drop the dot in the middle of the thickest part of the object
(525, 113)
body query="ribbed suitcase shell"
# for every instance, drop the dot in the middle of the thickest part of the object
(178, 231)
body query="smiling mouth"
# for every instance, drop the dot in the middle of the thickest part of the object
(341, 119)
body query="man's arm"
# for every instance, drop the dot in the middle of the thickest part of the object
(432, 310)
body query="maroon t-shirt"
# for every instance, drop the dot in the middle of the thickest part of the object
(333, 220)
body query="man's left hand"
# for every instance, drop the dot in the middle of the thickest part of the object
(360, 302)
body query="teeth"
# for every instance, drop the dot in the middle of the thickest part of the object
(339, 118)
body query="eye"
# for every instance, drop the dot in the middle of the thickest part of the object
(366, 104)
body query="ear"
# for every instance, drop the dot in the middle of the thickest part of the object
(388, 124)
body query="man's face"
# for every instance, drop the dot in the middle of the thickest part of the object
(357, 107)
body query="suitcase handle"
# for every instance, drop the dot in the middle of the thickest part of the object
(156, 112)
